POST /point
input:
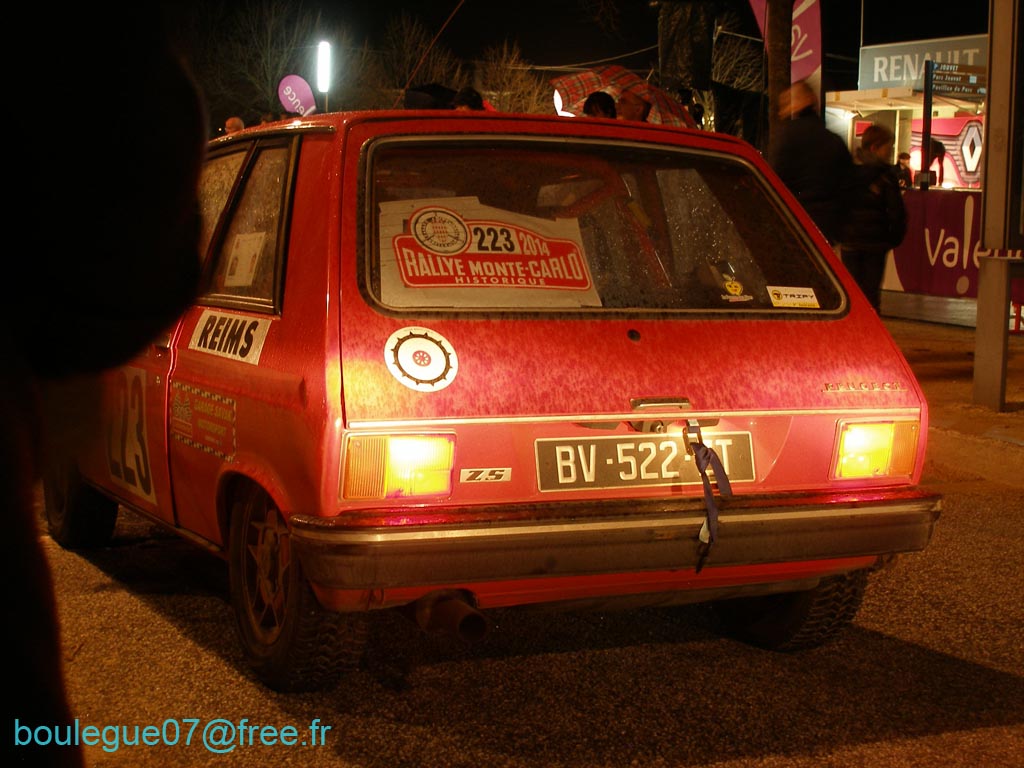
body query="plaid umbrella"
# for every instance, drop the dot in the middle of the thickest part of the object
(615, 80)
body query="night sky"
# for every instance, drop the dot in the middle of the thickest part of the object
(560, 33)
(556, 33)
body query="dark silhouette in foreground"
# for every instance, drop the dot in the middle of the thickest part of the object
(112, 260)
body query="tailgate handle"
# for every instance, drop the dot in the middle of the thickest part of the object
(663, 404)
(641, 403)
(656, 403)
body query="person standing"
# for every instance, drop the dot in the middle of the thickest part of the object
(632, 106)
(877, 219)
(937, 154)
(600, 104)
(468, 99)
(903, 172)
(812, 162)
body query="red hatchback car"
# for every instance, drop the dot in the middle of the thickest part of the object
(449, 362)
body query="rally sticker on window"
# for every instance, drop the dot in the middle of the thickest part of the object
(463, 253)
(443, 250)
(782, 296)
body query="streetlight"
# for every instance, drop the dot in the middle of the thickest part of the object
(323, 71)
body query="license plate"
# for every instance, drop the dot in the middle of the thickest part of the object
(565, 464)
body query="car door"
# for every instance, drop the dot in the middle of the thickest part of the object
(131, 457)
(218, 384)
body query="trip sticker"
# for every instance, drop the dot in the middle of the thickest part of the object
(441, 249)
(782, 296)
(421, 359)
(203, 420)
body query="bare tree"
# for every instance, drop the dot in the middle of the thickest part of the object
(271, 39)
(407, 56)
(510, 85)
(195, 33)
(239, 54)
(738, 59)
(358, 79)
(605, 13)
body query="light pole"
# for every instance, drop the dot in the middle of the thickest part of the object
(323, 71)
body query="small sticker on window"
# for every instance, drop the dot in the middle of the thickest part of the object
(245, 256)
(784, 296)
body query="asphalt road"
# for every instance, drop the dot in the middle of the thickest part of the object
(931, 674)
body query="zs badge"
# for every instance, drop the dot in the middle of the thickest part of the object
(486, 475)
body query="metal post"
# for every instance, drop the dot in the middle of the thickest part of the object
(925, 176)
(992, 329)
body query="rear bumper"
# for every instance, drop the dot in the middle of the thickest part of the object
(611, 537)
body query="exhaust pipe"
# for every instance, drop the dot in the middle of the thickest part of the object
(449, 613)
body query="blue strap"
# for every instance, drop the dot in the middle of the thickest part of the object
(705, 457)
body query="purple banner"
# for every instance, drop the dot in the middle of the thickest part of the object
(296, 96)
(806, 36)
(939, 255)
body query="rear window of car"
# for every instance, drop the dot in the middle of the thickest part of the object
(541, 226)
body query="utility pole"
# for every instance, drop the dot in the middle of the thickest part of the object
(778, 46)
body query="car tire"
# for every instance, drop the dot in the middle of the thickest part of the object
(292, 643)
(77, 515)
(795, 621)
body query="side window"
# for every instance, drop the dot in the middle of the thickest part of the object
(215, 183)
(245, 264)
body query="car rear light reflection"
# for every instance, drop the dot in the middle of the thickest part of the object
(383, 466)
(876, 449)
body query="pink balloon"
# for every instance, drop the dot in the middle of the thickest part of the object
(296, 95)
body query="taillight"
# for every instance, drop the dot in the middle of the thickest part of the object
(876, 449)
(383, 466)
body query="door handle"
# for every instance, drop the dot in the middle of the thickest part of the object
(163, 341)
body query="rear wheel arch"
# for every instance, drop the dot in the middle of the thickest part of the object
(290, 640)
(230, 486)
(237, 480)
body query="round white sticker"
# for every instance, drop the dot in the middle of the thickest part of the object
(421, 359)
